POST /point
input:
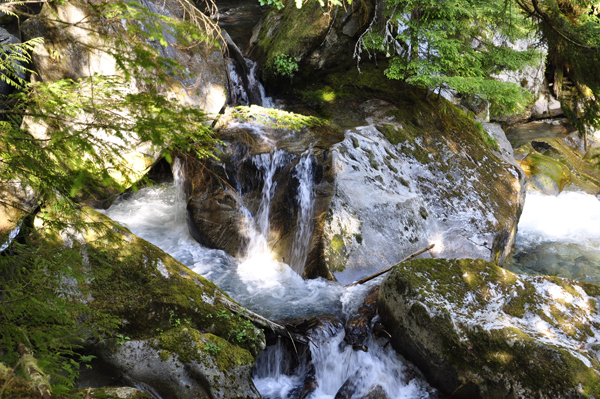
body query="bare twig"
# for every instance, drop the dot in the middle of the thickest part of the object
(371, 277)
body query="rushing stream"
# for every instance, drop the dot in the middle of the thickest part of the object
(273, 289)
(559, 236)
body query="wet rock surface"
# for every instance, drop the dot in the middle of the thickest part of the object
(428, 177)
(358, 327)
(474, 329)
(556, 164)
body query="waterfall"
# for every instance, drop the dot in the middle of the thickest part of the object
(268, 163)
(178, 169)
(244, 85)
(256, 87)
(236, 86)
(304, 222)
(259, 266)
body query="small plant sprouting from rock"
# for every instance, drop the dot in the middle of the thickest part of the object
(212, 348)
(222, 314)
(121, 339)
(276, 3)
(245, 330)
(285, 65)
(173, 322)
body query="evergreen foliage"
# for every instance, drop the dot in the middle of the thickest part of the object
(89, 124)
(455, 44)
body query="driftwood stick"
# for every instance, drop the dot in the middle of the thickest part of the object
(39, 380)
(371, 277)
(261, 321)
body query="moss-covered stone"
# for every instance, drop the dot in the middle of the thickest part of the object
(191, 345)
(166, 310)
(475, 328)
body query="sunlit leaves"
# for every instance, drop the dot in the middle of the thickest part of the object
(457, 45)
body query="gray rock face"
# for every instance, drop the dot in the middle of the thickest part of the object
(197, 376)
(391, 200)
(479, 331)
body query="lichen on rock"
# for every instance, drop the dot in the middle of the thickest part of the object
(477, 330)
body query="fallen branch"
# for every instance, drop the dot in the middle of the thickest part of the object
(39, 380)
(371, 277)
(261, 321)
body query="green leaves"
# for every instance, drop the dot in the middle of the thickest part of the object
(457, 45)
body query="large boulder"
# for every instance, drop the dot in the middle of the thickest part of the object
(79, 44)
(426, 168)
(479, 331)
(432, 176)
(175, 334)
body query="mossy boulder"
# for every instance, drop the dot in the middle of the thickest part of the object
(160, 305)
(479, 331)
(420, 172)
(313, 35)
(184, 363)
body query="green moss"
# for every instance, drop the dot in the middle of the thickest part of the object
(359, 238)
(130, 283)
(490, 353)
(190, 345)
(165, 355)
(337, 243)
(393, 134)
(372, 160)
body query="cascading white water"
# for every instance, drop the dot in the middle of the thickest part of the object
(304, 221)
(559, 235)
(337, 366)
(236, 86)
(268, 163)
(274, 290)
(178, 169)
(255, 86)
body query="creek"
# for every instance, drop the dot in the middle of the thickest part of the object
(557, 236)
(273, 289)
